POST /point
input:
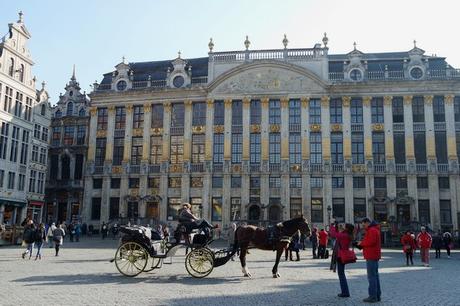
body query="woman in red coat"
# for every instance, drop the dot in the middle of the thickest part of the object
(424, 242)
(343, 242)
(409, 246)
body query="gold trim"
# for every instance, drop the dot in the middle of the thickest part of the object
(175, 168)
(275, 128)
(156, 131)
(246, 102)
(134, 192)
(219, 129)
(111, 108)
(367, 101)
(138, 132)
(449, 99)
(255, 128)
(147, 108)
(428, 99)
(117, 169)
(210, 102)
(325, 101)
(228, 102)
(93, 111)
(129, 109)
(101, 133)
(188, 103)
(387, 100)
(236, 168)
(284, 102)
(346, 101)
(378, 127)
(264, 101)
(407, 100)
(295, 168)
(358, 168)
(315, 127)
(305, 101)
(200, 129)
(167, 106)
(336, 127)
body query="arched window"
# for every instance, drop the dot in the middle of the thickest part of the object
(43, 110)
(58, 114)
(69, 109)
(11, 68)
(82, 112)
(21, 73)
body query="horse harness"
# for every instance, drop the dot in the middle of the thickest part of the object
(275, 234)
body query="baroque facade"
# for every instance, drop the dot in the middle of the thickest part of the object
(67, 154)
(24, 123)
(268, 134)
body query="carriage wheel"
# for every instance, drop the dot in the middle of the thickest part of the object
(153, 263)
(199, 262)
(131, 258)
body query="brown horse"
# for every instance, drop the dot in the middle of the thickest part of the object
(249, 236)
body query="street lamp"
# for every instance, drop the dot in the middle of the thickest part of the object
(329, 210)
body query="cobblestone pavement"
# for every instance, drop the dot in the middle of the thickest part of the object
(83, 275)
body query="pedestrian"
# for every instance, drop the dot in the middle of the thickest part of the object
(409, 246)
(49, 235)
(323, 238)
(40, 236)
(77, 231)
(71, 231)
(104, 230)
(447, 240)
(437, 244)
(294, 246)
(424, 241)
(371, 246)
(343, 255)
(58, 238)
(314, 242)
(28, 237)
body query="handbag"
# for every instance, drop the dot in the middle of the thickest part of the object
(346, 256)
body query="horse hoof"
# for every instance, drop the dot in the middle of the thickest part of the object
(277, 275)
(247, 275)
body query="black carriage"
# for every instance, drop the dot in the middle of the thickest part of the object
(143, 250)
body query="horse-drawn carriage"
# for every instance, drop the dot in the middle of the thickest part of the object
(143, 250)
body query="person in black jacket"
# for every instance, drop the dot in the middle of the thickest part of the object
(437, 243)
(28, 237)
(314, 242)
(40, 236)
(447, 240)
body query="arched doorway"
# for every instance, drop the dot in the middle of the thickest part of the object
(254, 213)
(274, 213)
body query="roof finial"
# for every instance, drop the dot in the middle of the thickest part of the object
(354, 46)
(178, 54)
(123, 58)
(43, 85)
(415, 43)
(325, 40)
(247, 43)
(285, 41)
(210, 45)
(21, 19)
(73, 78)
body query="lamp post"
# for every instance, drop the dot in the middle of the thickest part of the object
(329, 210)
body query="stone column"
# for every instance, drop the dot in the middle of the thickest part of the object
(389, 153)
(452, 155)
(410, 156)
(264, 133)
(110, 135)
(367, 124)
(146, 133)
(72, 167)
(92, 135)
(246, 156)
(429, 130)
(207, 178)
(185, 186)
(347, 157)
(305, 136)
(105, 199)
(2, 213)
(87, 199)
(326, 144)
(128, 135)
(228, 131)
(246, 127)
(165, 160)
(285, 169)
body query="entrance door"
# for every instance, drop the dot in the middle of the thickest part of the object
(152, 211)
(254, 213)
(62, 212)
(403, 214)
(133, 210)
(274, 213)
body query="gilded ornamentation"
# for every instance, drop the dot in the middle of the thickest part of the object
(236, 168)
(264, 101)
(101, 133)
(111, 108)
(188, 103)
(93, 111)
(387, 100)
(156, 131)
(346, 101)
(246, 102)
(175, 168)
(296, 168)
(134, 192)
(378, 127)
(228, 103)
(200, 129)
(336, 127)
(325, 101)
(284, 101)
(147, 108)
(138, 132)
(449, 99)
(117, 169)
(129, 109)
(428, 100)
(219, 129)
(275, 128)
(167, 107)
(305, 101)
(255, 128)
(407, 100)
(210, 102)
(367, 101)
(315, 127)
(154, 191)
(358, 168)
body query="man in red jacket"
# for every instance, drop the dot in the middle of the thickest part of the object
(424, 241)
(371, 246)
(323, 238)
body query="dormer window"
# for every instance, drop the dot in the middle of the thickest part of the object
(82, 113)
(356, 75)
(43, 110)
(121, 85)
(58, 114)
(69, 109)
(71, 93)
(416, 73)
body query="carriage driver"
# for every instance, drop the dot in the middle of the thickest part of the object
(187, 218)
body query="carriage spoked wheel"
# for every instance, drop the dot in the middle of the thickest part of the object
(131, 259)
(153, 263)
(199, 262)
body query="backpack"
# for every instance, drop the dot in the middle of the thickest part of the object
(38, 235)
(29, 235)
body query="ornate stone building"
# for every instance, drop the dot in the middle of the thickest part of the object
(268, 134)
(67, 155)
(24, 124)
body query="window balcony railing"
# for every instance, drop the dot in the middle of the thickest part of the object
(419, 126)
(135, 169)
(401, 168)
(337, 167)
(177, 130)
(379, 168)
(119, 133)
(294, 128)
(316, 167)
(254, 191)
(421, 168)
(98, 169)
(198, 167)
(357, 127)
(154, 168)
(275, 192)
(296, 192)
(275, 167)
(255, 167)
(218, 167)
(398, 127)
(443, 168)
(439, 126)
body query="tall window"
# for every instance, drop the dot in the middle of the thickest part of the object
(336, 110)
(338, 209)
(441, 146)
(41, 183)
(21, 182)
(439, 113)
(69, 109)
(81, 134)
(21, 73)
(218, 156)
(102, 118)
(156, 149)
(315, 148)
(8, 101)
(378, 147)
(25, 147)
(359, 209)
(424, 211)
(418, 109)
(216, 210)
(357, 148)
(457, 108)
(100, 151)
(377, 110)
(315, 111)
(14, 145)
(136, 150)
(45, 134)
(18, 104)
(35, 153)
(198, 141)
(32, 180)
(138, 116)
(37, 131)
(275, 148)
(295, 182)
(68, 135)
(256, 112)
(399, 147)
(446, 212)
(157, 115)
(274, 112)
(96, 208)
(337, 148)
(254, 148)
(4, 139)
(78, 174)
(177, 149)
(356, 110)
(199, 114)
(118, 150)
(177, 115)
(81, 112)
(294, 111)
(11, 67)
(120, 118)
(235, 209)
(398, 109)
(237, 112)
(56, 136)
(237, 147)
(317, 210)
(219, 113)
(420, 147)
(295, 148)
(11, 179)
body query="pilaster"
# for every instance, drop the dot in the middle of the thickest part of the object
(146, 133)
(128, 134)
(388, 115)
(264, 130)
(409, 129)
(429, 128)
(367, 123)
(92, 134)
(346, 119)
(110, 133)
(284, 102)
(305, 136)
(166, 131)
(450, 128)
(187, 130)
(246, 126)
(228, 130)
(209, 130)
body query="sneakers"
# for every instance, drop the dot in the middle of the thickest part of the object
(341, 295)
(370, 300)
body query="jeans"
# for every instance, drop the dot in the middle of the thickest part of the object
(342, 278)
(373, 278)
(314, 247)
(39, 248)
(321, 251)
(438, 253)
(409, 256)
(30, 247)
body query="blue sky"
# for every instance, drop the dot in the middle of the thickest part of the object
(95, 34)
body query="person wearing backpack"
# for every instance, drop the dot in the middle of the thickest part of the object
(28, 238)
(49, 235)
(58, 238)
(39, 238)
